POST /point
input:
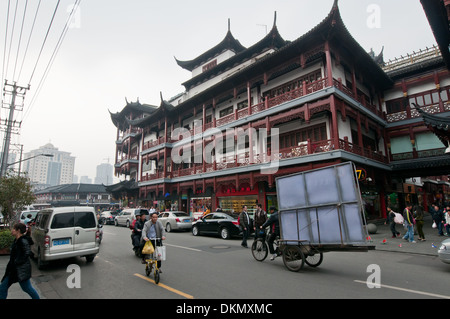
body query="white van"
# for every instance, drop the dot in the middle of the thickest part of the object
(65, 232)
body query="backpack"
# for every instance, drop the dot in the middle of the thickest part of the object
(398, 219)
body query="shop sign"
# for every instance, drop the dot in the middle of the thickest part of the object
(361, 173)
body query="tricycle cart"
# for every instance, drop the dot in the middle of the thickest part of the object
(320, 211)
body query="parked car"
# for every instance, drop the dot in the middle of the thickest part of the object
(126, 216)
(65, 232)
(176, 220)
(444, 251)
(108, 217)
(223, 224)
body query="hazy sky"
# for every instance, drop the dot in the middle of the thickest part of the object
(125, 49)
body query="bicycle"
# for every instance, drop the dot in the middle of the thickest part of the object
(151, 263)
(294, 256)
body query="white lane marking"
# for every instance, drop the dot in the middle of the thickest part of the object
(182, 247)
(406, 290)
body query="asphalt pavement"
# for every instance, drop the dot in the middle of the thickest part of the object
(381, 240)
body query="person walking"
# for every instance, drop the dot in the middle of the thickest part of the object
(418, 215)
(409, 222)
(391, 220)
(154, 231)
(438, 218)
(244, 222)
(19, 265)
(447, 220)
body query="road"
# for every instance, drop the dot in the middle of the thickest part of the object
(211, 268)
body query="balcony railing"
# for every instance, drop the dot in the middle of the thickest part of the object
(411, 113)
(305, 89)
(418, 154)
(244, 160)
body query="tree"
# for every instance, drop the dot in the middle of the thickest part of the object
(15, 194)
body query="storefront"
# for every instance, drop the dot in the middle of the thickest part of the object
(198, 205)
(232, 200)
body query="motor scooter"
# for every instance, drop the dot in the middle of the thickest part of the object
(100, 231)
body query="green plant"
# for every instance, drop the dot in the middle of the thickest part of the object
(6, 239)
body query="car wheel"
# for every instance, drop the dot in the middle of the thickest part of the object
(225, 233)
(90, 258)
(116, 223)
(168, 228)
(195, 231)
(128, 224)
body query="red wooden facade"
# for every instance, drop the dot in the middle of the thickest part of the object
(324, 93)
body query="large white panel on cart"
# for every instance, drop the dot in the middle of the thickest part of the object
(321, 206)
(292, 192)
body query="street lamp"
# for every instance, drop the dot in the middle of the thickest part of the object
(26, 159)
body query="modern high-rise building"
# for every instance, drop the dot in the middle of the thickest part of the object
(47, 171)
(104, 174)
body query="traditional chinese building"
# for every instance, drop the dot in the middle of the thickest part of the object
(325, 97)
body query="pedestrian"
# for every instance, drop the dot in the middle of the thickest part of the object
(19, 265)
(153, 230)
(391, 220)
(418, 215)
(274, 230)
(447, 221)
(260, 219)
(409, 223)
(244, 222)
(438, 219)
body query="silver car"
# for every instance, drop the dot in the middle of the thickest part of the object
(176, 220)
(444, 251)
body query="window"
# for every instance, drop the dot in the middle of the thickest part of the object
(85, 220)
(397, 105)
(63, 220)
(314, 133)
(226, 111)
(295, 84)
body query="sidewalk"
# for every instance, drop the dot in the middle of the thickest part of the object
(428, 247)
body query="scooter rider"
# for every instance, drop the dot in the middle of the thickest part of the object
(137, 231)
(274, 230)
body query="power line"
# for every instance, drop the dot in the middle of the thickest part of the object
(29, 38)
(20, 37)
(53, 56)
(45, 40)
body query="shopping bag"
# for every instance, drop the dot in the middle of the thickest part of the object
(148, 248)
(398, 219)
(434, 225)
(161, 252)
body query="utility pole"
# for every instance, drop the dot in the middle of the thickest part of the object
(16, 92)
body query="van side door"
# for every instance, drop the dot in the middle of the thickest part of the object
(85, 230)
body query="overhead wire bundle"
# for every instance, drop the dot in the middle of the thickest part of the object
(18, 21)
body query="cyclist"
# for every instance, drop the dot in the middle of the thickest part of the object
(274, 230)
(136, 235)
(153, 229)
